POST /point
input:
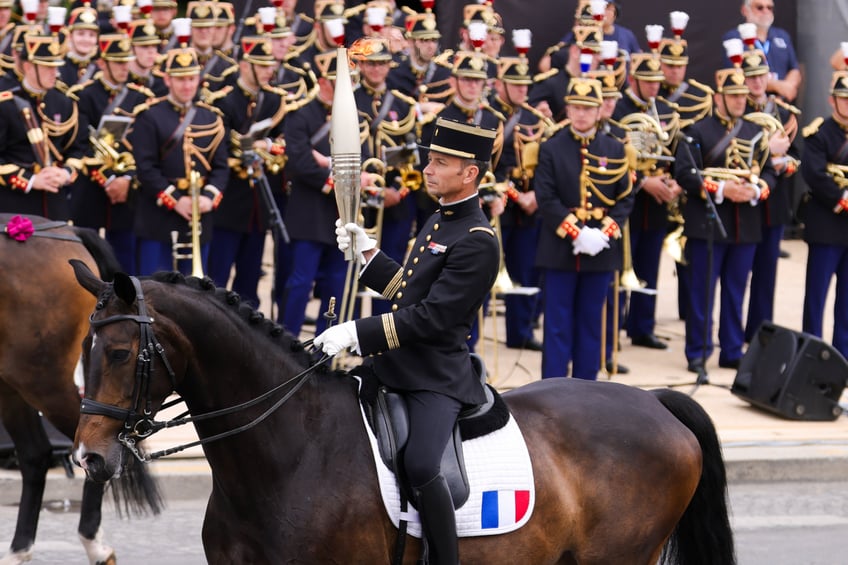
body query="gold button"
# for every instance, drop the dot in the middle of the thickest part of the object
(428, 238)
(403, 284)
(394, 307)
(399, 295)
(421, 249)
(415, 261)
(585, 161)
(588, 205)
(409, 273)
(436, 227)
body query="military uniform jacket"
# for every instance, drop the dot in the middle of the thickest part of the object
(693, 100)
(743, 222)
(160, 163)
(648, 214)
(217, 71)
(77, 71)
(58, 117)
(558, 194)
(242, 210)
(386, 127)
(530, 124)
(778, 208)
(822, 223)
(154, 82)
(409, 80)
(551, 90)
(311, 212)
(89, 203)
(436, 295)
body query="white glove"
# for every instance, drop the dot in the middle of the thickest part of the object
(338, 337)
(591, 241)
(344, 233)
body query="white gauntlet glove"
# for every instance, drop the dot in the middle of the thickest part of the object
(337, 338)
(344, 234)
(591, 241)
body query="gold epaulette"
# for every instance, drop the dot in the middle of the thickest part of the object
(553, 49)
(73, 91)
(147, 105)
(482, 229)
(274, 89)
(225, 57)
(545, 75)
(787, 106)
(400, 95)
(497, 114)
(701, 85)
(204, 104)
(217, 94)
(62, 87)
(228, 71)
(813, 128)
(444, 58)
(141, 89)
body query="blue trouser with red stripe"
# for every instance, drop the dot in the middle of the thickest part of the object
(573, 305)
(823, 262)
(731, 263)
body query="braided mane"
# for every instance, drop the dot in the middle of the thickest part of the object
(247, 313)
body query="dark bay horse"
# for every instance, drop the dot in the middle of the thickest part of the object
(43, 320)
(622, 475)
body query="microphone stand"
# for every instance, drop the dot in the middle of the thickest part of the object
(713, 223)
(279, 233)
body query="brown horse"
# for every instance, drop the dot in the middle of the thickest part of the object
(619, 472)
(43, 320)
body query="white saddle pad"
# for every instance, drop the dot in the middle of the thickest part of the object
(500, 477)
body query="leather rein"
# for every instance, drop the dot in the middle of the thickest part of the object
(139, 421)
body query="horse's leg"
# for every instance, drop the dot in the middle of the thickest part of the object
(90, 533)
(33, 450)
(61, 407)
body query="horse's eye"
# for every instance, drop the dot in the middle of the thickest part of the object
(119, 355)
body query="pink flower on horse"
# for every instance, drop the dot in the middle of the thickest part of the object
(19, 228)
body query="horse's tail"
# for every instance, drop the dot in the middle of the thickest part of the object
(101, 251)
(136, 491)
(703, 535)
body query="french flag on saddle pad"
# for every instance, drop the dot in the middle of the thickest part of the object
(503, 507)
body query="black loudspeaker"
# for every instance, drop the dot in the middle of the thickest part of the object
(793, 374)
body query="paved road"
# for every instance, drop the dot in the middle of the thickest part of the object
(775, 524)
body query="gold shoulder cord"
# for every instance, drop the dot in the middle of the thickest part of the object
(525, 142)
(194, 132)
(602, 171)
(54, 130)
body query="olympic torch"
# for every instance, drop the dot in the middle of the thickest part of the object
(345, 147)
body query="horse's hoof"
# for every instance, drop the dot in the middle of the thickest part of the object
(111, 560)
(16, 557)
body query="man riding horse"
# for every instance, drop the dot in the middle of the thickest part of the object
(421, 344)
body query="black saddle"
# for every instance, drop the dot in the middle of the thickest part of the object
(389, 421)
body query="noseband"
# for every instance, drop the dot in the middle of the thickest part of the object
(139, 420)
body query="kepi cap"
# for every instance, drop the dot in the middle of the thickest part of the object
(466, 141)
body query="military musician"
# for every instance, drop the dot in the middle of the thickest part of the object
(584, 192)
(252, 112)
(41, 144)
(180, 149)
(824, 164)
(727, 159)
(100, 198)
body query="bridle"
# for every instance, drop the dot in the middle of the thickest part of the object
(139, 421)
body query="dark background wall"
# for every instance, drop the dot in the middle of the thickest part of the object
(552, 19)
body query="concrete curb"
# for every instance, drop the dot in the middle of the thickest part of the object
(190, 479)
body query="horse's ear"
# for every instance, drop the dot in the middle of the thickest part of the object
(124, 287)
(86, 278)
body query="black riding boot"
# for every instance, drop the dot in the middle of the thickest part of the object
(438, 521)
